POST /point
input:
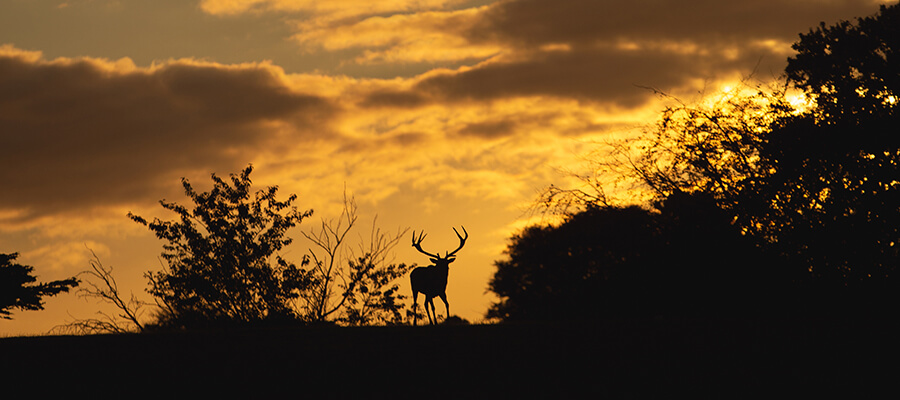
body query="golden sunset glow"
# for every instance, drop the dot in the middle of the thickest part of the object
(431, 113)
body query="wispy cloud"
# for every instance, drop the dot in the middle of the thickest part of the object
(433, 36)
(333, 9)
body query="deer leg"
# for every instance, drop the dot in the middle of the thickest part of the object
(415, 316)
(446, 305)
(431, 316)
(433, 312)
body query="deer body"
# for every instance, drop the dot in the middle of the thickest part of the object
(432, 280)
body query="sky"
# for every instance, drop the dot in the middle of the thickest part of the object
(432, 114)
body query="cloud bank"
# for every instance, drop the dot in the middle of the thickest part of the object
(82, 133)
(91, 132)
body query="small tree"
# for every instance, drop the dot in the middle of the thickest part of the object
(219, 256)
(18, 289)
(353, 287)
(375, 300)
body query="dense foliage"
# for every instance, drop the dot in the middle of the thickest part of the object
(684, 259)
(222, 261)
(836, 169)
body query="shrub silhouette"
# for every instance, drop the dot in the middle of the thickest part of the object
(219, 257)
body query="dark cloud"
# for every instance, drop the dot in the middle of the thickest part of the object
(599, 75)
(535, 22)
(357, 150)
(603, 51)
(489, 129)
(392, 98)
(77, 133)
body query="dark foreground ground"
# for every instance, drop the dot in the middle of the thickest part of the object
(652, 358)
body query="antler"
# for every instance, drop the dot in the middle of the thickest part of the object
(462, 241)
(417, 243)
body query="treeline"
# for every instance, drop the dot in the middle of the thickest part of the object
(757, 206)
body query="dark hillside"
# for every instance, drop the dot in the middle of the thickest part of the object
(717, 359)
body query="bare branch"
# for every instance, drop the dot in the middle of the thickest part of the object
(100, 284)
(352, 284)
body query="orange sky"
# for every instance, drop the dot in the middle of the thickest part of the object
(432, 113)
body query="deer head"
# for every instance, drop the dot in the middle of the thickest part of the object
(436, 259)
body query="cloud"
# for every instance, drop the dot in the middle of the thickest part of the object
(590, 51)
(89, 132)
(600, 75)
(393, 31)
(92, 132)
(335, 9)
(530, 23)
(92, 135)
(489, 129)
(433, 36)
(63, 256)
(601, 51)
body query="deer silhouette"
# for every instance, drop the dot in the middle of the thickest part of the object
(432, 280)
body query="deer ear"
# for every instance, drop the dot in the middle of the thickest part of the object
(434, 260)
(451, 259)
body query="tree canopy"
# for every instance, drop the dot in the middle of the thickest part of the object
(19, 290)
(851, 69)
(222, 260)
(836, 168)
(684, 258)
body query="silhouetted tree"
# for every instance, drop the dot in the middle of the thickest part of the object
(353, 287)
(685, 259)
(571, 271)
(219, 256)
(851, 71)
(375, 298)
(834, 185)
(19, 290)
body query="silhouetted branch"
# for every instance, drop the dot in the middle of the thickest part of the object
(329, 239)
(100, 284)
(350, 286)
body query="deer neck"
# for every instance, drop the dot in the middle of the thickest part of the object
(441, 270)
